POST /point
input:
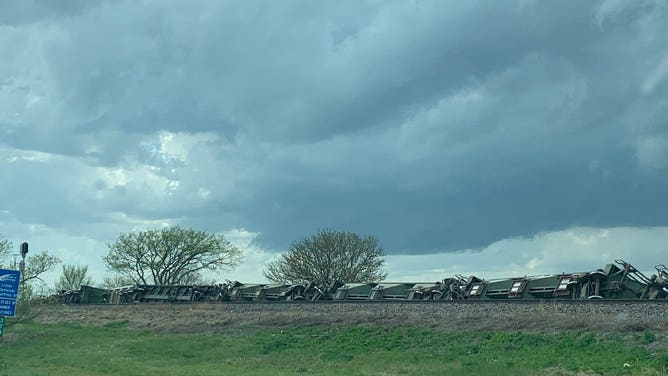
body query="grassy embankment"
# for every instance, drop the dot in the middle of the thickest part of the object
(115, 349)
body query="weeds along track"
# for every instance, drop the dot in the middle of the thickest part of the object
(608, 316)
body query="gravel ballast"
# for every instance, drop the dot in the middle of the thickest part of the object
(200, 318)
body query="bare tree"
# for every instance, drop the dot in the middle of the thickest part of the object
(116, 280)
(327, 256)
(35, 266)
(5, 249)
(72, 277)
(170, 256)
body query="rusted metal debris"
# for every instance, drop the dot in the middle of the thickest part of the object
(620, 280)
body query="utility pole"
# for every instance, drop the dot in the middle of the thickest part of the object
(22, 263)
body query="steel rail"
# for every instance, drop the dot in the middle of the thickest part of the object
(390, 302)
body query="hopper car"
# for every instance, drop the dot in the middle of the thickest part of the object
(616, 281)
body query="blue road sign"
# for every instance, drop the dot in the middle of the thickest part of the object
(9, 291)
(7, 307)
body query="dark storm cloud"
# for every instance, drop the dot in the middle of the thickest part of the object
(241, 67)
(501, 194)
(433, 125)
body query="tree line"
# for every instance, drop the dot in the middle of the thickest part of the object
(176, 256)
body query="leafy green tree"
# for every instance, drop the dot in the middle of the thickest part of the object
(327, 256)
(170, 256)
(72, 277)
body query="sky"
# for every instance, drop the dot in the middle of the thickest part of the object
(477, 137)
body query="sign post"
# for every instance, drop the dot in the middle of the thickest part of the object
(9, 292)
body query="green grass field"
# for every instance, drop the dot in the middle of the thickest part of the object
(115, 349)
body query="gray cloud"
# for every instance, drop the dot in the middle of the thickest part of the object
(436, 126)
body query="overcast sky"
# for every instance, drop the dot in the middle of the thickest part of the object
(468, 136)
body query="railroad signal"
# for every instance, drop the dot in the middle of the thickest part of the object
(24, 249)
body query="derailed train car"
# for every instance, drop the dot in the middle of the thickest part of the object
(616, 281)
(620, 280)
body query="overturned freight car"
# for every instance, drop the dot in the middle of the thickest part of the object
(620, 280)
(616, 281)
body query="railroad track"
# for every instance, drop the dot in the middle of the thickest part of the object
(391, 302)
